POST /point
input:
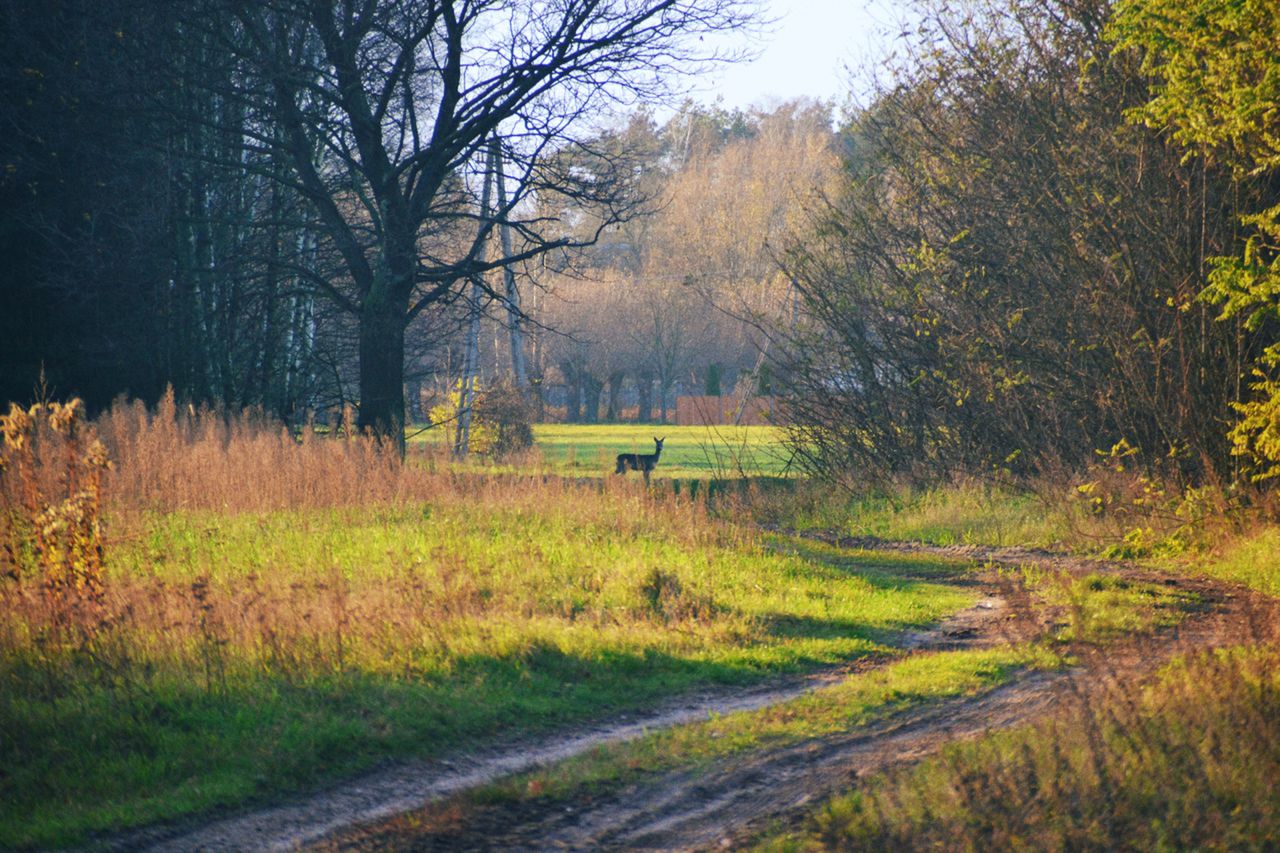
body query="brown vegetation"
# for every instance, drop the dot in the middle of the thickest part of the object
(62, 506)
(1187, 762)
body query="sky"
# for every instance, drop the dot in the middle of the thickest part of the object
(808, 52)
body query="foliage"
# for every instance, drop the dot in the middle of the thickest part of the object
(51, 468)
(1216, 86)
(1005, 279)
(1214, 70)
(501, 420)
(505, 414)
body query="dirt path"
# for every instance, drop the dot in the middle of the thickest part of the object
(683, 809)
(745, 795)
(708, 809)
(399, 788)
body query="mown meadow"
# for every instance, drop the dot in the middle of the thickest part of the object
(590, 450)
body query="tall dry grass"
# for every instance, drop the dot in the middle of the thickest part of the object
(294, 621)
(182, 457)
(1189, 759)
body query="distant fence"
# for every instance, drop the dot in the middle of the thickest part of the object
(713, 411)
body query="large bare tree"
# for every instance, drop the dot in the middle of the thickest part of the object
(382, 113)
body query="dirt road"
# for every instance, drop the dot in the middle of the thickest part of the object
(741, 796)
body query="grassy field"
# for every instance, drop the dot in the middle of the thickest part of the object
(689, 452)
(270, 616)
(235, 616)
(264, 653)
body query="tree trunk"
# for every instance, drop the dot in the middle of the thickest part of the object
(470, 375)
(514, 317)
(592, 388)
(573, 392)
(644, 391)
(615, 389)
(382, 322)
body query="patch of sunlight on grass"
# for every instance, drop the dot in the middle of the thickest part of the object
(590, 450)
(258, 654)
(1253, 561)
(950, 515)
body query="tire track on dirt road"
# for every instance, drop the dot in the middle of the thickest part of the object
(745, 795)
(737, 796)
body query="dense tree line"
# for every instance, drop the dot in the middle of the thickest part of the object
(1009, 278)
(680, 299)
(143, 245)
(1214, 68)
(256, 201)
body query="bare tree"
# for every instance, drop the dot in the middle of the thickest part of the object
(382, 111)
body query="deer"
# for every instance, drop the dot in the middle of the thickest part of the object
(642, 462)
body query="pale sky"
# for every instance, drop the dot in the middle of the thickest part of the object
(808, 51)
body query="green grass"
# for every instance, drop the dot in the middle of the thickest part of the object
(859, 700)
(1094, 609)
(590, 450)
(257, 655)
(1253, 561)
(950, 515)
(1188, 763)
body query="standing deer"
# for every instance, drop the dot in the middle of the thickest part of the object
(642, 462)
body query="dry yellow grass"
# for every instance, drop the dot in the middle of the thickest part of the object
(276, 611)
(180, 457)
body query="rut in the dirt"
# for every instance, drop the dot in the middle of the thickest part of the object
(744, 795)
(682, 809)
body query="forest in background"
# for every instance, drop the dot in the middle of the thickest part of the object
(1045, 242)
(152, 246)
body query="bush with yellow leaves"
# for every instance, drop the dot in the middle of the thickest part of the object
(51, 468)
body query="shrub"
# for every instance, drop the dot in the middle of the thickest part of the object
(506, 419)
(51, 467)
